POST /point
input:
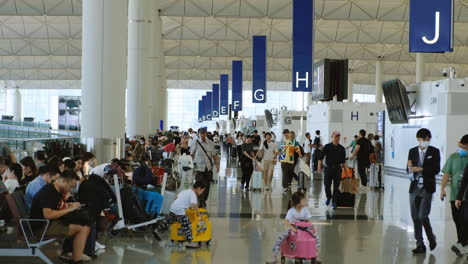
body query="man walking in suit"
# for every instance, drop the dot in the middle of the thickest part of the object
(423, 165)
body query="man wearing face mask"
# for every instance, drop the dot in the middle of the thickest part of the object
(423, 166)
(453, 170)
(49, 173)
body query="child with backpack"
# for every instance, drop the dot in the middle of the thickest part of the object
(185, 199)
(298, 212)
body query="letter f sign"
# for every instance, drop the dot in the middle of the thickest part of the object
(437, 31)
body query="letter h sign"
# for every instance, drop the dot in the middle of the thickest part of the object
(431, 26)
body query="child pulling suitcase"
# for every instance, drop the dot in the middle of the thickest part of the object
(185, 200)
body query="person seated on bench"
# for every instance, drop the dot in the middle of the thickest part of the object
(50, 203)
(12, 182)
(48, 174)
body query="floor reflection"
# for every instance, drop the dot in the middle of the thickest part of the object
(246, 224)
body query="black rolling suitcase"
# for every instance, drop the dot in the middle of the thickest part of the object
(302, 182)
(346, 199)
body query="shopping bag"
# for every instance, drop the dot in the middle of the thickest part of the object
(257, 166)
(349, 186)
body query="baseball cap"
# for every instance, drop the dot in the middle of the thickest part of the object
(336, 133)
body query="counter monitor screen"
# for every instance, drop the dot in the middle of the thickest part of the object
(396, 99)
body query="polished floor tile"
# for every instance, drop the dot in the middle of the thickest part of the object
(245, 225)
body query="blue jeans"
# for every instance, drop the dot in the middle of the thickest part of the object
(420, 202)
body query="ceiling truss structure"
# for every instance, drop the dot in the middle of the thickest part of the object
(41, 39)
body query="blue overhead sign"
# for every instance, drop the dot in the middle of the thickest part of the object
(236, 86)
(431, 26)
(200, 111)
(303, 45)
(209, 106)
(259, 69)
(204, 108)
(224, 94)
(215, 102)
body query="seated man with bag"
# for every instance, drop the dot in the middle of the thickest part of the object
(50, 203)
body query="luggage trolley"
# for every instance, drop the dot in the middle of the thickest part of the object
(120, 223)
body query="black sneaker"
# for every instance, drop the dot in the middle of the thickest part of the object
(433, 244)
(247, 188)
(419, 250)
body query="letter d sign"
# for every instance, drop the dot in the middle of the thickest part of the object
(431, 26)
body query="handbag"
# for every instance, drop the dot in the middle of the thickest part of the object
(260, 154)
(349, 185)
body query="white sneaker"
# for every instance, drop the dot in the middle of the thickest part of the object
(465, 250)
(99, 246)
(458, 249)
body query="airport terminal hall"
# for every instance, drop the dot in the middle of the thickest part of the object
(233, 131)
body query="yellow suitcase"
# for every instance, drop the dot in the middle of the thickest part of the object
(201, 232)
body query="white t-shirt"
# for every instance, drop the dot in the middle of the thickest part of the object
(239, 141)
(184, 200)
(269, 154)
(294, 216)
(11, 185)
(6, 174)
(307, 148)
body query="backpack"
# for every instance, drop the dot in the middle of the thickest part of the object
(373, 157)
(96, 194)
(143, 176)
(132, 208)
(317, 142)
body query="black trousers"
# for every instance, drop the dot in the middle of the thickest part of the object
(460, 222)
(239, 152)
(315, 159)
(362, 169)
(332, 176)
(247, 170)
(206, 177)
(288, 173)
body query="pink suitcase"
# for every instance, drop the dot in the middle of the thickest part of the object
(301, 245)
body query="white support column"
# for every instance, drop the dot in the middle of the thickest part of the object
(420, 68)
(103, 77)
(157, 108)
(378, 81)
(350, 85)
(139, 72)
(17, 105)
(163, 90)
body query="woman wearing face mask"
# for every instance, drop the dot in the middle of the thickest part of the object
(453, 170)
(268, 149)
(16, 173)
(139, 153)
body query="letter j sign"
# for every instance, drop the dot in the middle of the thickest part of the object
(431, 26)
